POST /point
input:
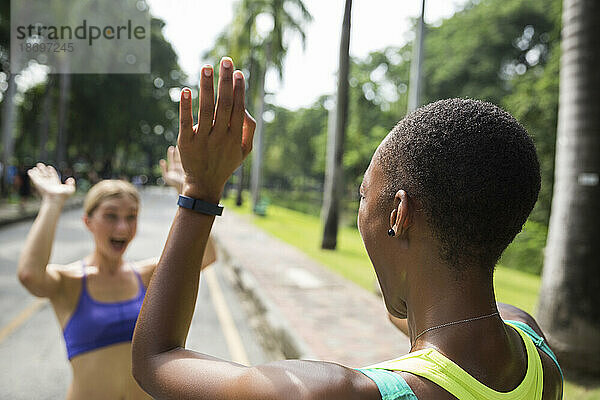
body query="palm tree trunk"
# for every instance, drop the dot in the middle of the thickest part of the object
(239, 185)
(8, 128)
(63, 102)
(415, 88)
(569, 306)
(257, 157)
(45, 122)
(239, 173)
(334, 173)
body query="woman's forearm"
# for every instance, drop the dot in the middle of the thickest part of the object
(171, 297)
(36, 252)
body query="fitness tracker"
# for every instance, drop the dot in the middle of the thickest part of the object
(199, 205)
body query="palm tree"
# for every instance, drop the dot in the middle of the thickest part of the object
(334, 178)
(274, 50)
(569, 306)
(258, 51)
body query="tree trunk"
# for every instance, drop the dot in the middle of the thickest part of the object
(239, 184)
(415, 87)
(45, 122)
(63, 104)
(8, 130)
(258, 148)
(569, 306)
(334, 173)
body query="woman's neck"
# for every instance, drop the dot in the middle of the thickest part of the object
(438, 303)
(460, 320)
(104, 264)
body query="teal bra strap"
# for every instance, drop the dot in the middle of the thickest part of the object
(538, 341)
(391, 385)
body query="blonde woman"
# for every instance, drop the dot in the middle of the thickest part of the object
(97, 299)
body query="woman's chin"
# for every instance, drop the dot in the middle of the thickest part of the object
(114, 252)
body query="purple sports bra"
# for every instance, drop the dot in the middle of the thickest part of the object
(96, 324)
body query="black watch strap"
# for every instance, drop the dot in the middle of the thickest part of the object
(199, 205)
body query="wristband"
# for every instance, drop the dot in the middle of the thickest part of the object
(199, 205)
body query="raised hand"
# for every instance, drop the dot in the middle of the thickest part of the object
(172, 170)
(213, 149)
(47, 182)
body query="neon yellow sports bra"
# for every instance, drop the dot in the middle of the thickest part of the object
(432, 365)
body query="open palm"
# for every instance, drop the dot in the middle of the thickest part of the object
(172, 169)
(48, 184)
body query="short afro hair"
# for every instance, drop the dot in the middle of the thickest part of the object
(473, 168)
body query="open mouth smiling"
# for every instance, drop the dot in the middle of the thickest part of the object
(118, 244)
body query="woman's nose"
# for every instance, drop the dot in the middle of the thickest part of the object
(122, 224)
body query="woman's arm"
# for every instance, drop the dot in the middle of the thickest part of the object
(32, 269)
(174, 176)
(162, 366)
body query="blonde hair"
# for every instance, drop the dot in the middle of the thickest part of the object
(106, 189)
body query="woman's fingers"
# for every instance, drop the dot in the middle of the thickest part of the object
(176, 157)
(206, 113)
(171, 155)
(237, 115)
(163, 167)
(186, 133)
(224, 96)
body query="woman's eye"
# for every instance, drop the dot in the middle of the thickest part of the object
(111, 217)
(131, 217)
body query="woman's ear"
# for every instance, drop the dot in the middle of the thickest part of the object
(87, 221)
(401, 216)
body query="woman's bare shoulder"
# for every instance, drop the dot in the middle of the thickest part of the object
(146, 268)
(73, 270)
(70, 283)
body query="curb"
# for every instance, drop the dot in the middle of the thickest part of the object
(275, 327)
(19, 216)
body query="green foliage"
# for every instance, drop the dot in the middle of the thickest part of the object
(291, 151)
(478, 50)
(503, 51)
(117, 124)
(526, 252)
(534, 102)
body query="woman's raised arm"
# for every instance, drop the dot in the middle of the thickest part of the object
(32, 271)
(210, 152)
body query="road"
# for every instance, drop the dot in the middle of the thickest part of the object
(33, 362)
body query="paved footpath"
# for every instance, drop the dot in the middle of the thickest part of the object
(313, 312)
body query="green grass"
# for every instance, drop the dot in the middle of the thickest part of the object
(350, 260)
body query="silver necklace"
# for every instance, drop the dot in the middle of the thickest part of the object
(462, 321)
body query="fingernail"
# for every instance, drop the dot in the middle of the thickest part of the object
(227, 63)
(186, 94)
(207, 71)
(238, 75)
